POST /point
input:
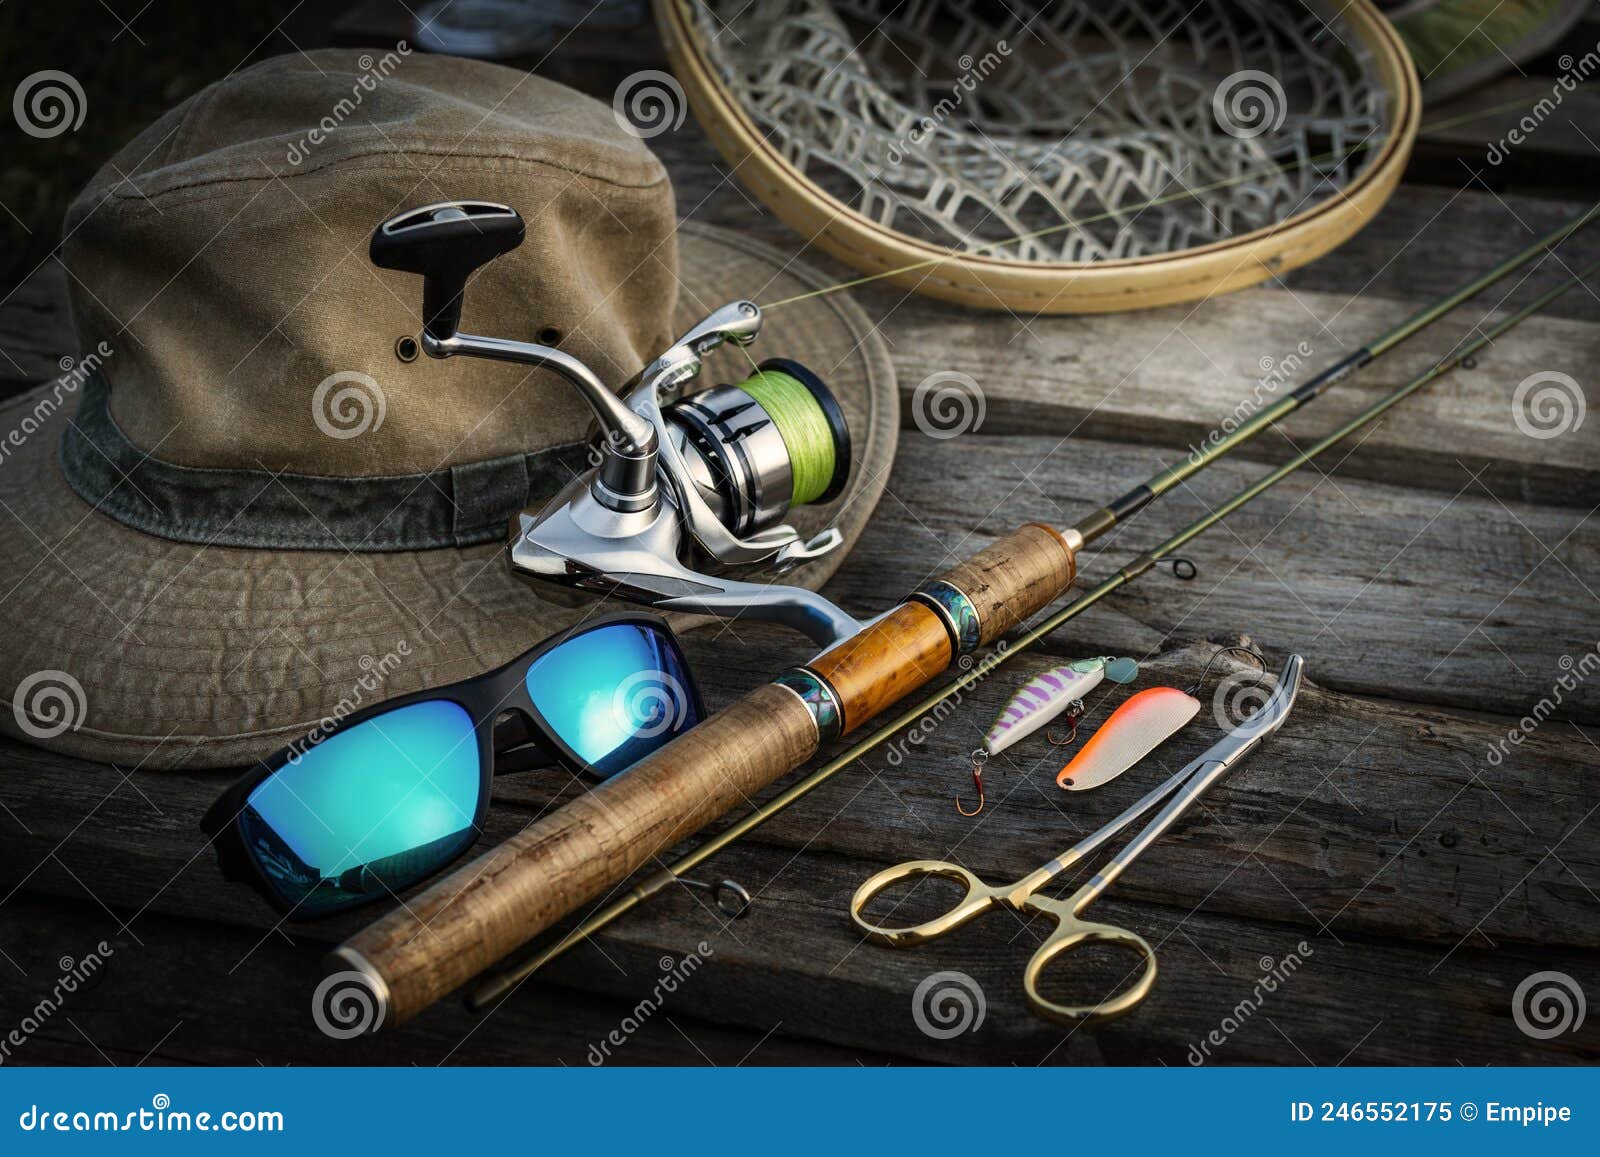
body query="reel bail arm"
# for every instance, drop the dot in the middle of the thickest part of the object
(683, 491)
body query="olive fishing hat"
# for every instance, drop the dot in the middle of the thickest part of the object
(246, 505)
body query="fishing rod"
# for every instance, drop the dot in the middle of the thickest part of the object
(503, 982)
(467, 922)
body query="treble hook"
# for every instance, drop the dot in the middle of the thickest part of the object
(1074, 714)
(979, 758)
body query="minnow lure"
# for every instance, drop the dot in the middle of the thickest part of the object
(1039, 701)
(1132, 732)
(1045, 696)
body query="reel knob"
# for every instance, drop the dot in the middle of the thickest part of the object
(445, 243)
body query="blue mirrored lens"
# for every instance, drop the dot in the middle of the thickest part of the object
(374, 807)
(614, 694)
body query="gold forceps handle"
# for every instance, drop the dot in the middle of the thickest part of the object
(1072, 932)
(980, 897)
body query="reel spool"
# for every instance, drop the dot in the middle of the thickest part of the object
(756, 450)
(687, 490)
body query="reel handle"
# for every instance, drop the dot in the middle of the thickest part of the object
(445, 243)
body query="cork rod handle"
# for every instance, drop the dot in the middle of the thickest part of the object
(468, 921)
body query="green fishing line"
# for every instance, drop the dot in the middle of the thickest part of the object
(803, 427)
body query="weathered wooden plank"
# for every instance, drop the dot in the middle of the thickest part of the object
(796, 961)
(186, 992)
(1171, 376)
(1461, 599)
(1411, 832)
(1348, 1000)
(1365, 818)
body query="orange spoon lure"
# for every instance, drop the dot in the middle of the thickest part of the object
(1132, 732)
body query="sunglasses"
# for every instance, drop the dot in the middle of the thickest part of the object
(391, 794)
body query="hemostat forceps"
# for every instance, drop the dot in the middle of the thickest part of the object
(1071, 931)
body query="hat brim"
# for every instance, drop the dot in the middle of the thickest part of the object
(188, 655)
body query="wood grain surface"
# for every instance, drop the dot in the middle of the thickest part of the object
(1424, 826)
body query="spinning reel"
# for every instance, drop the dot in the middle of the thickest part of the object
(685, 491)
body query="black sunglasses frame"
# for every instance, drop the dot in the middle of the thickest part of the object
(511, 733)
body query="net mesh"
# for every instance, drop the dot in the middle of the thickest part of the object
(1070, 132)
